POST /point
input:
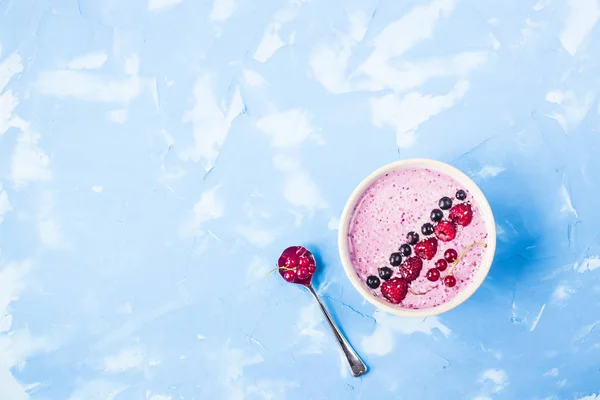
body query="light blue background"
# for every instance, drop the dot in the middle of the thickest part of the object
(157, 155)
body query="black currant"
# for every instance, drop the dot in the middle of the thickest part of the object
(436, 215)
(445, 203)
(427, 229)
(412, 238)
(373, 282)
(395, 259)
(405, 250)
(385, 273)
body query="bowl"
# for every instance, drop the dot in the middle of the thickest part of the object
(478, 198)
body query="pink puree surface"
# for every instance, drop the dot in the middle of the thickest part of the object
(397, 203)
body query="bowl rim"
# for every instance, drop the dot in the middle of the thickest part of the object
(478, 197)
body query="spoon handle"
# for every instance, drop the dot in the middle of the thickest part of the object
(356, 365)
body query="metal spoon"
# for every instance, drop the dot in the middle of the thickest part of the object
(357, 366)
(293, 271)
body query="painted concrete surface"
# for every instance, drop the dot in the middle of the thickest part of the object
(157, 155)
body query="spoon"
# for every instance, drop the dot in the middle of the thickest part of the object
(297, 265)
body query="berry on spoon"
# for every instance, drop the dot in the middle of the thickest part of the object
(297, 265)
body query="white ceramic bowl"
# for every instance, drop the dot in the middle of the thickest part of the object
(478, 198)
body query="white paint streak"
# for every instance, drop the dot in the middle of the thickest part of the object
(586, 330)
(211, 122)
(5, 206)
(541, 4)
(382, 341)
(208, 207)
(97, 389)
(8, 68)
(561, 293)
(132, 64)
(87, 86)
(257, 269)
(329, 62)
(494, 380)
(29, 163)
(126, 359)
(537, 319)
(407, 75)
(299, 189)
(161, 5)
(16, 345)
(258, 237)
(117, 116)
(222, 10)
(270, 43)
(583, 15)
(253, 78)
(588, 264)
(271, 40)
(406, 113)
(288, 128)
(414, 27)
(309, 327)
(50, 233)
(92, 60)
(490, 171)
(334, 224)
(591, 397)
(567, 204)
(574, 106)
(158, 397)
(8, 101)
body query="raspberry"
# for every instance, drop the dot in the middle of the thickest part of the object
(426, 248)
(461, 214)
(394, 290)
(411, 269)
(445, 231)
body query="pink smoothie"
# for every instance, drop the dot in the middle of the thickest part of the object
(397, 203)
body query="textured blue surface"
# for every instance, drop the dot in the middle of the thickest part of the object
(157, 155)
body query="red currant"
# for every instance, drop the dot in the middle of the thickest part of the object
(450, 255)
(450, 281)
(433, 274)
(441, 264)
